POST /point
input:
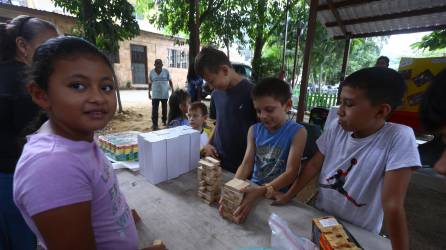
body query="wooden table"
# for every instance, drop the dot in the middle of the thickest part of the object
(172, 212)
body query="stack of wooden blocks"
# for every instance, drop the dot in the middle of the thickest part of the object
(209, 178)
(232, 197)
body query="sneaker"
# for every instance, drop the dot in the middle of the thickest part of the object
(164, 124)
(155, 128)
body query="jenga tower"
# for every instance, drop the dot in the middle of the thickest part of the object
(232, 197)
(209, 178)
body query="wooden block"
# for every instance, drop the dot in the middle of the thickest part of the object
(212, 160)
(210, 196)
(158, 242)
(237, 184)
(206, 164)
(230, 205)
(206, 201)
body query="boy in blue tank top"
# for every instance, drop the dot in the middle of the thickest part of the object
(274, 148)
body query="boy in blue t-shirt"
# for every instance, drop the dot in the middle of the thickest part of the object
(275, 145)
(365, 163)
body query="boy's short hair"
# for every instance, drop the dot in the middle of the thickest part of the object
(433, 105)
(199, 106)
(385, 58)
(211, 59)
(272, 87)
(381, 85)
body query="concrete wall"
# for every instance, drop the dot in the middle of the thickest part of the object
(157, 45)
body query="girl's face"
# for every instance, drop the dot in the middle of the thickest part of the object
(81, 96)
(185, 106)
(25, 50)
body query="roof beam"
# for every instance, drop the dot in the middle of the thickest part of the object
(345, 3)
(337, 17)
(410, 13)
(395, 32)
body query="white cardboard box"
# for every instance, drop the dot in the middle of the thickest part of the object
(176, 150)
(152, 157)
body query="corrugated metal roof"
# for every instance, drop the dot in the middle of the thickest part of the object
(370, 18)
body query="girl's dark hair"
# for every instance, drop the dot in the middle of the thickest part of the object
(433, 105)
(177, 98)
(46, 56)
(64, 47)
(27, 27)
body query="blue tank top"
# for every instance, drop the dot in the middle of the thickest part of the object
(272, 151)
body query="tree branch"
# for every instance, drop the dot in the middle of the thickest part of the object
(287, 8)
(209, 10)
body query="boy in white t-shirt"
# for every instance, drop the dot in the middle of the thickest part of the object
(197, 114)
(365, 163)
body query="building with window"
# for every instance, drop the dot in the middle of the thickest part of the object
(135, 58)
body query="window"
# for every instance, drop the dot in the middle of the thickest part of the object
(177, 58)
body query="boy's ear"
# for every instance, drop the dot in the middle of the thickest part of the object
(225, 69)
(22, 46)
(289, 104)
(384, 110)
(39, 96)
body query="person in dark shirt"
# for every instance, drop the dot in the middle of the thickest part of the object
(19, 38)
(233, 104)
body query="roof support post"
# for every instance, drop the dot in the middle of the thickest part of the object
(305, 68)
(344, 65)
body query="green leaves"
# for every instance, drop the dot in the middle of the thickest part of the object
(102, 22)
(434, 41)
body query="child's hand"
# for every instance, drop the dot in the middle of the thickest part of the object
(251, 195)
(280, 199)
(210, 150)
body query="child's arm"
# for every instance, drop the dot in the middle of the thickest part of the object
(67, 227)
(245, 168)
(440, 166)
(293, 161)
(209, 149)
(393, 195)
(243, 172)
(308, 173)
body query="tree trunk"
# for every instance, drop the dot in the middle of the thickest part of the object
(257, 59)
(88, 20)
(194, 30)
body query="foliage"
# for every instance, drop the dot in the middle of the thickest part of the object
(217, 22)
(103, 22)
(431, 42)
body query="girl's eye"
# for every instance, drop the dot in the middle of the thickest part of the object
(77, 86)
(108, 87)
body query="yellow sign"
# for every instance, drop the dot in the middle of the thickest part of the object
(418, 74)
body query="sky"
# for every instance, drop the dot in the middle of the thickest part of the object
(399, 46)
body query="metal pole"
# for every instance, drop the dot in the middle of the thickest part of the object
(344, 65)
(306, 63)
(286, 36)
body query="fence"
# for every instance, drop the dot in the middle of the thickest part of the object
(318, 100)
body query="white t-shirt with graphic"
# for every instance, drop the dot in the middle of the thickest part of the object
(160, 84)
(353, 171)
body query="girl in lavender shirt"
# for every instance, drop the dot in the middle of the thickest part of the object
(64, 187)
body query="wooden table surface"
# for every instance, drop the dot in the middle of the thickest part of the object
(172, 212)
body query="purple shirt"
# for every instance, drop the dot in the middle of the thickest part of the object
(54, 172)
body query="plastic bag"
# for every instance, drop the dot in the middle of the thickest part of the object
(282, 238)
